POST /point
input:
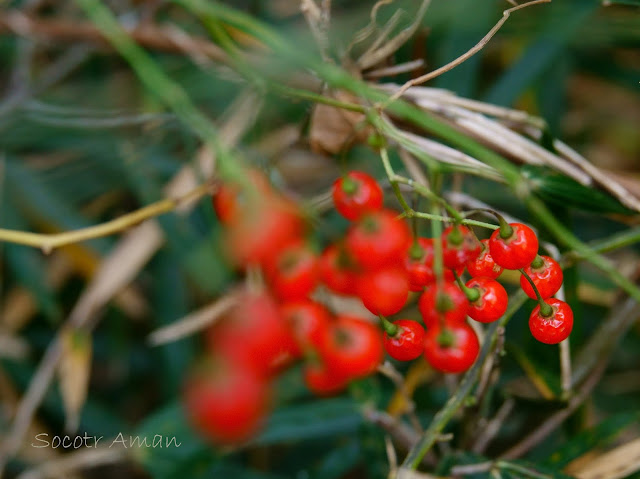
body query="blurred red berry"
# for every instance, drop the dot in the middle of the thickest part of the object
(407, 343)
(352, 346)
(294, 272)
(556, 327)
(263, 230)
(309, 322)
(459, 245)
(379, 239)
(447, 302)
(492, 302)
(338, 271)
(546, 274)
(323, 381)
(518, 250)
(452, 348)
(384, 291)
(355, 194)
(255, 333)
(226, 401)
(483, 264)
(419, 264)
(230, 201)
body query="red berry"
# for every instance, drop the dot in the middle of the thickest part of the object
(226, 401)
(294, 272)
(484, 265)
(355, 194)
(459, 245)
(419, 264)
(379, 239)
(337, 270)
(262, 231)
(491, 304)
(384, 291)
(407, 343)
(230, 201)
(516, 251)
(547, 277)
(255, 333)
(556, 327)
(452, 349)
(323, 381)
(309, 322)
(352, 346)
(448, 303)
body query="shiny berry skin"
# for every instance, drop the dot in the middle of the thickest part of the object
(459, 245)
(451, 301)
(355, 194)
(254, 333)
(547, 278)
(518, 250)
(491, 304)
(294, 272)
(484, 265)
(308, 321)
(418, 264)
(264, 229)
(323, 381)
(352, 347)
(452, 349)
(407, 343)
(226, 401)
(555, 328)
(338, 271)
(379, 239)
(384, 291)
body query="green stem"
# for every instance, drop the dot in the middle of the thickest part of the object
(465, 388)
(390, 328)
(394, 183)
(429, 216)
(472, 294)
(546, 311)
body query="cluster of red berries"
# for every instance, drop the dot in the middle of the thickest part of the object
(379, 261)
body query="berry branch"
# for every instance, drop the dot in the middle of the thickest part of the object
(464, 390)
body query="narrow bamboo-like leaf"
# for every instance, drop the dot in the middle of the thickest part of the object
(597, 436)
(558, 189)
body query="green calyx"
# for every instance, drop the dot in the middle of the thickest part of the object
(537, 263)
(416, 252)
(444, 303)
(546, 310)
(506, 230)
(455, 236)
(446, 339)
(348, 185)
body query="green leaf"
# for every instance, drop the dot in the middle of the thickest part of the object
(558, 189)
(167, 462)
(592, 438)
(313, 420)
(546, 382)
(563, 20)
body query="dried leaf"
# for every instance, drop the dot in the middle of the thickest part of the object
(333, 129)
(74, 372)
(620, 462)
